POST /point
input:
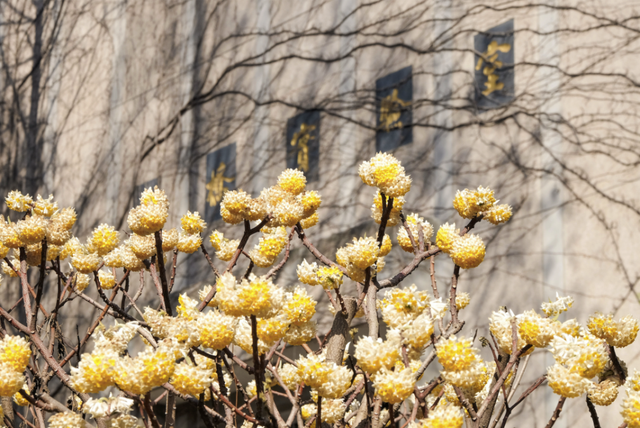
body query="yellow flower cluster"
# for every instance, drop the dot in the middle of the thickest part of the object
(619, 333)
(19, 399)
(373, 355)
(403, 305)
(152, 213)
(466, 251)
(190, 379)
(272, 329)
(253, 296)
(603, 393)
(66, 420)
(456, 354)
(143, 247)
(216, 329)
(299, 307)
(95, 372)
(443, 416)
(470, 203)
(394, 386)
(287, 202)
(15, 351)
(149, 369)
(271, 244)
(104, 239)
(535, 330)
(14, 357)
(16, 201)
(225, 248)
(357, 256)
(327, 378)
(554, 309)
(330, 277)
(386, 173)
(192, 223)
(299, 334)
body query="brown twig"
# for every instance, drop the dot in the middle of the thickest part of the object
(593, 413)
(556, 412)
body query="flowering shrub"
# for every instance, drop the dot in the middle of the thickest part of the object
(190, 348)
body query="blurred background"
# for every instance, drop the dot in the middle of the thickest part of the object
(536, 100)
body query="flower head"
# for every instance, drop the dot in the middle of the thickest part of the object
(66, 420)
(11, 380)
(456, 354)
(216, 329)
(105, 239)
(585, 355)
(553, 309)
(394, 386)
(631, 409)
(565, 382)
(236, 204)
(32, 229)
(310, 201)
(107, 280)
(143, 247)
(16, 201)
(604, 393)
(307, 272)
(14, 350)
(292, 181)
(498, 214)
(619, 333)
(94, 372)
(147, 219)
(500, 327)
(535, 330)
(170, 239)
(372, 354)
(462, 300)
(253, 296)
(299, 307)
(386, 173)
(192, 223)
(154, 196)
(190, 379)
(299, 334)
(330, 277)
(85, 263)
(402, 305)
(446, 236)
(468, 251)
(188, 243)
(45, 207)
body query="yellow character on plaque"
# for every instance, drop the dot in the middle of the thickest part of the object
(216, 186)
(301, 141)
(390, 111)
(492, 64)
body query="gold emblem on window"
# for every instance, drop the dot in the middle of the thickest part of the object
(300, 141)
(390, 110)
(490, 57)
(216, 185)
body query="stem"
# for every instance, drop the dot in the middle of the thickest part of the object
(593, 413)
(163, 273)
(556, 412)
(256, 366)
